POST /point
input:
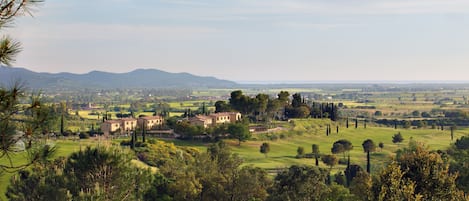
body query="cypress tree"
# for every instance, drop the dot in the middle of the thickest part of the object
(143, 132)
(364, 124)
(337, 129)
(132, 141)
(452, 132)
(348, 176)
(346, 123)
(62, 124)
(356, 122)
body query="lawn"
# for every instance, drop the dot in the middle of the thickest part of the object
(307, 132)
(298, 133)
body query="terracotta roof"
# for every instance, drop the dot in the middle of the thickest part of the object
(223, 114)
(151, 117)
(201, 117)
(128, 119)
(112, 121)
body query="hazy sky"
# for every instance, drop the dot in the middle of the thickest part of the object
(256, 40)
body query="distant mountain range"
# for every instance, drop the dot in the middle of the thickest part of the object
(140, 78)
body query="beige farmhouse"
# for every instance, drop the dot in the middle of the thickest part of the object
(110, 126)
(150, 122)
(128, 124)
(201, 120)
(216, 118)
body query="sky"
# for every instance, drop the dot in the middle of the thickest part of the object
(252, 40)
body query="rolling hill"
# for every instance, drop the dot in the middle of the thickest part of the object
(140, 78)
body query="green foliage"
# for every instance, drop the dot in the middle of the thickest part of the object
(430, 174)
(341, 146)
(316, 153)
(361, 186)
(392, 185)
(43, 182)
(368, 146)
(158, 190)
(13, 118)
(397, 138)
(300, 183)
(330, 160)
(159, 153)
(459, 164)
(239, 131)
(265, 148)
(462, 143)
(90, 174)
(215, 175)
(300, 152)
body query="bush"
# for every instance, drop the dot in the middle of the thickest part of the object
(343, 161)
(274, 137)
(84, 136)
(151, 141)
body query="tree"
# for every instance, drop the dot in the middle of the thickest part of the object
(397, 138)
(9, 10)
(42, 182)
(265, 148)
(34, 124)
(251, 184)
(459, 153)
(239, 131)
(330, 160)
(158, 189)
(381, 145)
(296, 101)
(284, 97)
(90, 174)
(300, 152)
(430, 172)
(361, 186)
(368, 146)
(300, 183)
(10, 108)
(407, 124)
(316, 153)
(222, 106)
(392, 185)
(351, 172)
(104, 173)
(341, 146)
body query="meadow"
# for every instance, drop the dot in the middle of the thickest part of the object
(283, 148)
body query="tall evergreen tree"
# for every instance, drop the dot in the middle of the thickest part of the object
(368, 146)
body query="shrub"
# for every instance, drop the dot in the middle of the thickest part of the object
(343, 161)
(84, 136)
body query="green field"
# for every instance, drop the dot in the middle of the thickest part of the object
(307, 132)
(297, 133)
